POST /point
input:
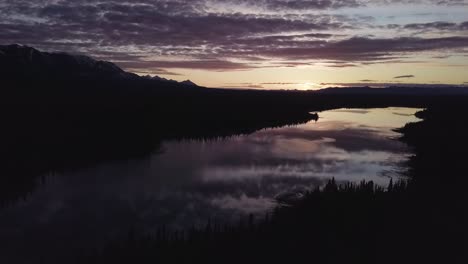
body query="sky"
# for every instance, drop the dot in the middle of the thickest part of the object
(259, 44)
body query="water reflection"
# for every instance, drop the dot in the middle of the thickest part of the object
(192, 181)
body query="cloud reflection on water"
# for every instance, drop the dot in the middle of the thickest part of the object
(193, 181)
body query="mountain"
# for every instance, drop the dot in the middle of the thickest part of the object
(189, 83)
(23, 63)
(18, 61)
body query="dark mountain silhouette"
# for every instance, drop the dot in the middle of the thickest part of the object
(19, 61)
(189, 82)
(23, 63)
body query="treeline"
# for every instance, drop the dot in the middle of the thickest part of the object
(347, 223)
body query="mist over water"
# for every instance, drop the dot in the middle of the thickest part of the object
(186, 183)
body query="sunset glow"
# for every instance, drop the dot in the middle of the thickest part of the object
(290, 44)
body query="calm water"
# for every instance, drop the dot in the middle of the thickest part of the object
(188, 182)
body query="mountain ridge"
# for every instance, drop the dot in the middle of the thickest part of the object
(20, 62)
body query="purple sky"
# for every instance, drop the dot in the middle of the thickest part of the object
(288, 44)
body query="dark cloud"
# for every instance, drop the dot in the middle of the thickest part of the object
(246, 86)
(451, 2)
(160, 28)
(162, 34)
(357, 84)
(438, 25)
(387, 84)
(361, 49)
(305, 5)
(308, 4)
(281, 83)
(342, 65)
(344, 53)
(159, 72)
(403, 76)
(354, 111)
(216, 65)
(422, 2)
(433, 25)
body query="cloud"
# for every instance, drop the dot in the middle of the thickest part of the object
(281, 83)
(433, 25)
(403, 76)
(424, 2)
(342, 65)
(361, 49)
(248, 86)
(437, 25)
(216, 65)
(158, 72)
(385, 84)
(307, 4)
(216, 35)
(358, 84)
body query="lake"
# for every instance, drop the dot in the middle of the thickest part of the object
(189, 182)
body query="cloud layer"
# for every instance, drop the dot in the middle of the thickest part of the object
(226, 35)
